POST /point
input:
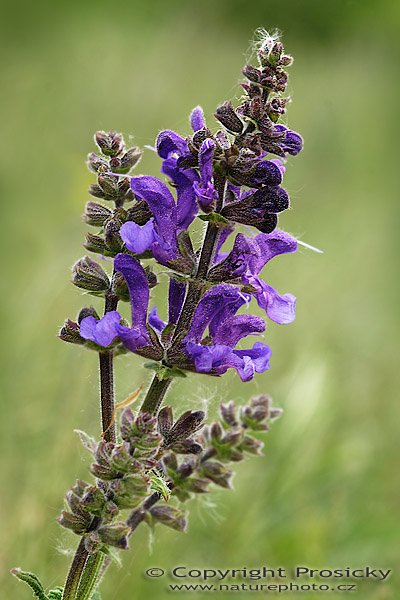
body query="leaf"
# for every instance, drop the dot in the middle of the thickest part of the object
(114, 555)
(33, 581)
(87, 441)
(55, 594)
(215, 218)
(158, 484)
(96, 596)
(164, 372)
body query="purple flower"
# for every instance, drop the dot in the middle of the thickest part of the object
(259, 209)
(102, 332)
(172, 147)
(168, 142)
(247, 259)
(176, 296)
(138, 238)
(281, 140)
(197, 120)
(205, 190)
(257, 173)
(155, 321)
(162, 204)
(216, 310)
(292, 142)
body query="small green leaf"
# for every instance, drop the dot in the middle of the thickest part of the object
(33, 581)
(215, 218)
(158, 484)
(114, 554)
(164, 372)
(55, 594)
(87, 442)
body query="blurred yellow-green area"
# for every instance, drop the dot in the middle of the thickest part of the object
(326, 492)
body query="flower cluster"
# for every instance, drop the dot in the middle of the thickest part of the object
(227, 178)
(230, 182)
(156, 454)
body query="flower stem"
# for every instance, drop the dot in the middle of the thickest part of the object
(91, 576)
(107, 394)
(155, 394)
(84, 568)
(75, 572)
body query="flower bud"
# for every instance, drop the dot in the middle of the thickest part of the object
(94, 500)
(226, 115)
(228, 413)
(232, 437)
(123, 164)
(95, 243)
(252, 73)
(111, 235)
(92, 542)
(139, 213)
(165, 420)
(89, 275)
(109, 185)
(169, 516)
(186, 425)
(69, 332)
(216, 431)
(186, 469)
(77, 524)
(151, 277)
(119, 287)
(197, 485)
(96, 162)
(251, 445)
(216, 471)
(115, 535)
(187, 446)
(110, 143)
(96, 214)
(96, 191)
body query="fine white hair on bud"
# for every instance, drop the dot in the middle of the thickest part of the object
(264, 40)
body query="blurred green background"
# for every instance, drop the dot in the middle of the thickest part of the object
(326, 493)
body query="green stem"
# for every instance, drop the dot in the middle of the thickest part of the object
(155, 394)
(75, 572)
(91, 576)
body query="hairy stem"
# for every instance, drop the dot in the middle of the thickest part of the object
(91, 576)
(82, 567)
(106, 360)
(155, 394)
(75, 572)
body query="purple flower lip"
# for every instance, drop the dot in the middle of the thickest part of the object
(247, 259)
(216, 310)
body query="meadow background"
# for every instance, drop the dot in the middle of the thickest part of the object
(326, 493)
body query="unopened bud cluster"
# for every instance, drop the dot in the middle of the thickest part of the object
(184, 456)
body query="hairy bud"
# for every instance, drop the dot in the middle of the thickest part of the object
(110, 143)
(227, 116)
(89, 275)
(96, 214)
